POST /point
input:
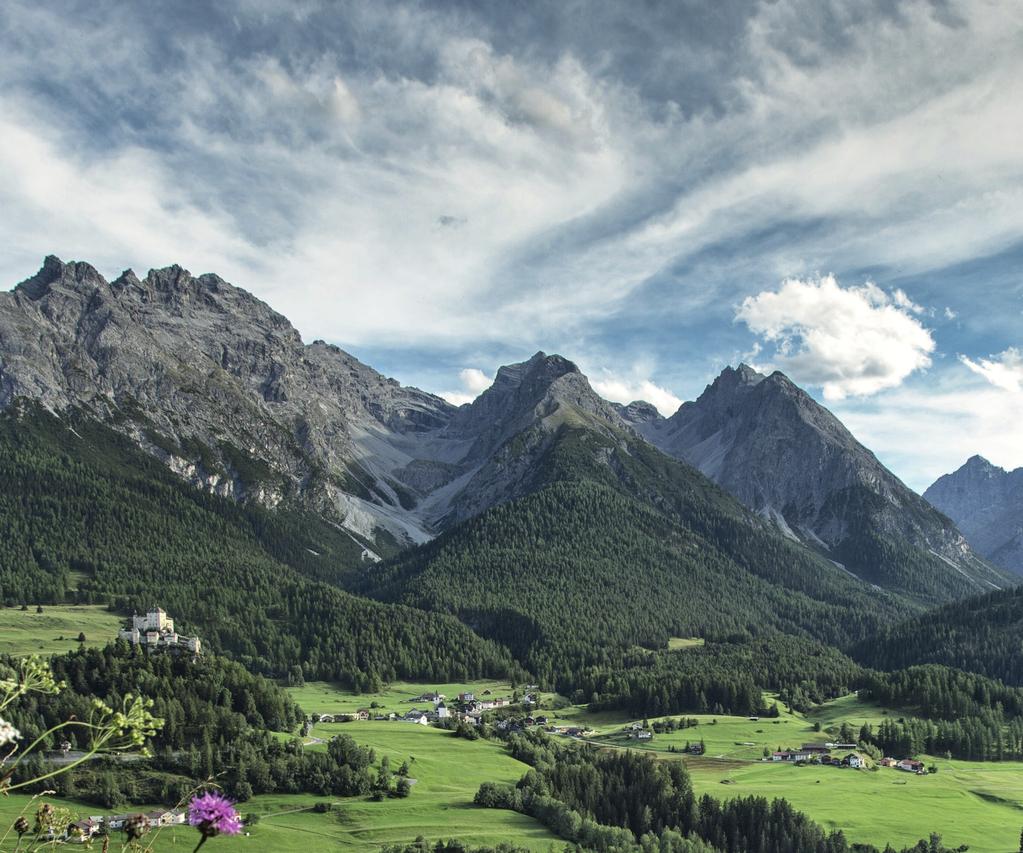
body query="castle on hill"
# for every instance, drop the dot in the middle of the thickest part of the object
(155, 630)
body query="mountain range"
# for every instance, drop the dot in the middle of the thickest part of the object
(222, 389)
(986, 502)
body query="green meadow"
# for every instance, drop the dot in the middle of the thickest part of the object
(974, 803)
(447, 773)
(56, 629)
(676, 643)
(979, 804)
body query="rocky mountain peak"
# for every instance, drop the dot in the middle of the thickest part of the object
(978, 464)
(986, 501)
(639, 412)
(54, 273)
(784, 455)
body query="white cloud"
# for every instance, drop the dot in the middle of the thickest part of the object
(620, 390)
(474, 382)
(849, 341)
(1003, 371)
(930, 427)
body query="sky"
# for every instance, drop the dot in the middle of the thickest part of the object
(654, 190)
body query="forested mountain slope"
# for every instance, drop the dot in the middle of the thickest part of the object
(616, 545)
(982, 635)
(789, 459)
(82, 508)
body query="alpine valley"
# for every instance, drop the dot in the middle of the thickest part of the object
(718, 587)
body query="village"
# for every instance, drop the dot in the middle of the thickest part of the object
(85, 830)
(466, 708)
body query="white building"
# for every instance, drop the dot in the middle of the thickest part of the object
(156, 630)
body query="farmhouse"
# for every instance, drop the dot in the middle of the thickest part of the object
(155, 630)
(854, 760)
(642, 734)
(795, 756)
(911, 766)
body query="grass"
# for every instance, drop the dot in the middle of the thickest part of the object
(980, 804)
(322, 697)
(25, 632)
(974, 803)
(676, 643)
(447, 773)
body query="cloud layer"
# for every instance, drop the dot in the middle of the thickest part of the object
(444, 185)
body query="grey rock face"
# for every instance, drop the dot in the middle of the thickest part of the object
(221, 387)
(986, 502)
(638, 412)
(788, 458)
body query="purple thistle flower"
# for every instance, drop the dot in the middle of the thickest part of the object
(213, 814)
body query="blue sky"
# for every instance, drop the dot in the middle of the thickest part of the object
(653, 190)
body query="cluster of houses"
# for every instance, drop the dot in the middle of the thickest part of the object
(821, 754)
(155, 630)
(85, 830)
(466, 707)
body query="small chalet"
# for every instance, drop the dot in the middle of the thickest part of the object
(642, 734)
(911, 766)
(854, 760)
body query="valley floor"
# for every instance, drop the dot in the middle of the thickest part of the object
(979, 804)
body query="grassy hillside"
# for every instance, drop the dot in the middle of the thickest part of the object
(56, 629)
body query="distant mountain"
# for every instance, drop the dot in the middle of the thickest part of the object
(220, 387)
(791, 460)
(987, 504)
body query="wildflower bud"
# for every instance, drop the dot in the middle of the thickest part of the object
(136, 826)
